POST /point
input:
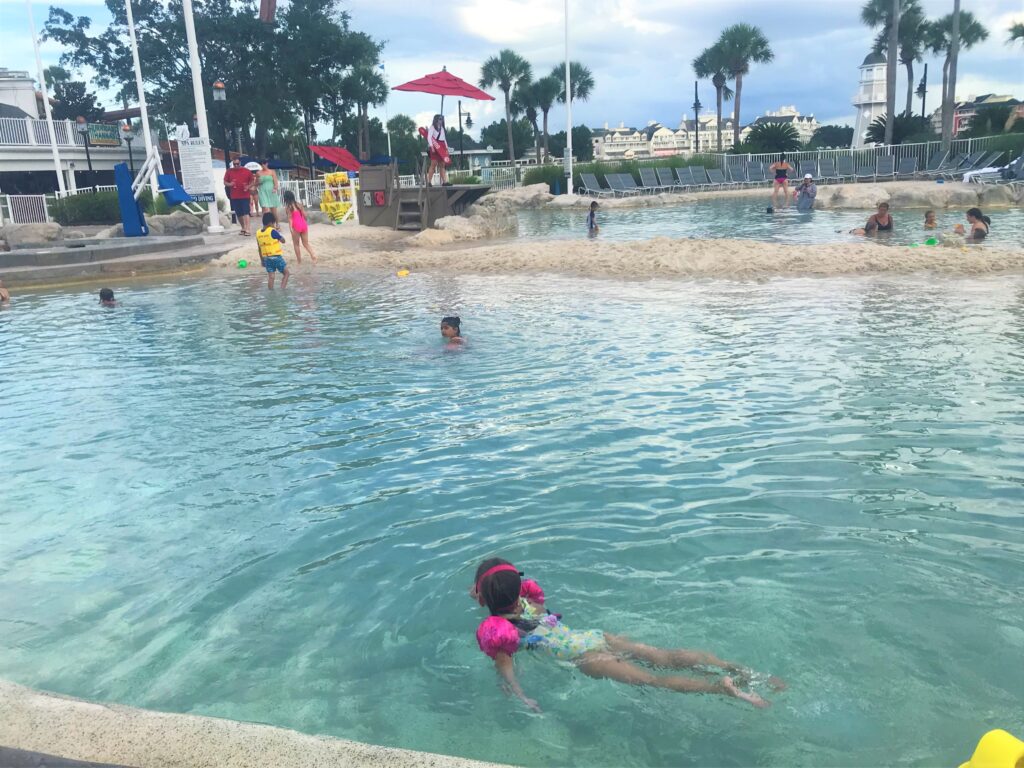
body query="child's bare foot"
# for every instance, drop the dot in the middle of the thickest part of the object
(750, 698)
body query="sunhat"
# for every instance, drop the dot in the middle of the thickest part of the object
(806, 175)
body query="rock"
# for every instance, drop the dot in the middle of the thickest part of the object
(176, 223)
(994, 195)
(74, 234)
(855, 196)
(532, 196)
(115, 231)
(23, 235)
(961, 195)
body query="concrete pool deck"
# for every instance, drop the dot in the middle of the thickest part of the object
(110, 734)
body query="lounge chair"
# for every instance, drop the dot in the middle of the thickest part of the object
(952, 169)
(700, 178)
(885, 168)
(685, 176)
(827, 169)
(666, 179)
(845, 169)
(864, 172)
(808, 166)
(649, 181)
(933, 165)
(592, 187)
(615, 184)
(755, 173)
(629, 183)
(718, 178)
(907, 168)
(1012, 173)
(736, 169)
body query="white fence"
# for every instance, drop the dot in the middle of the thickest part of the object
(307, 191)
(25, 209)
(85, 190)
(24, 131)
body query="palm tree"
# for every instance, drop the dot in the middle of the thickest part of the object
(582, 81)
(367, 87)
(879, 13)
(507, 70)
(546, 91)
(912, 34)
(905, 128)
(742, 45)
(712, 64)
(524, 102)
(1016, 33)
(939, 39)
(773, 137)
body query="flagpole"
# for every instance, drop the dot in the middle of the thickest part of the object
(46, 101)
(200, 99)
(568, 107)
(147, 137)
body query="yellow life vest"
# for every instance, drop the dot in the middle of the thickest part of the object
(268, 245)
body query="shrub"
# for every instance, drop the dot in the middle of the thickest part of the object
(98, 208)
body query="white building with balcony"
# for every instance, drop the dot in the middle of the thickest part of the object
(657, 140)
(805, 125)
(869, 101)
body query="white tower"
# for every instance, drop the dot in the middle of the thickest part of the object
(870, 97)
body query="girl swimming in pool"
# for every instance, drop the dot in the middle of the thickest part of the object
(519, 620)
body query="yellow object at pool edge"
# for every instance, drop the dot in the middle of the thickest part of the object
(997, 749)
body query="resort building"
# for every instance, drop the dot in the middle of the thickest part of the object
(870, 97)
(657, 140)
(965, 110)
(18, 95)
(805, 125)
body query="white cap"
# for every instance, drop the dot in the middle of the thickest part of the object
(808, 176)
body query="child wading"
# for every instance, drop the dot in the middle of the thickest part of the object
(299, 226)
(519, 620)
(592, 226)
(269, 241)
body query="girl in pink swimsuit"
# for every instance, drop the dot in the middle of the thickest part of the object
(519, 620)
(299, 225)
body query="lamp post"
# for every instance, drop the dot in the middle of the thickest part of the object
(83, 130)
(697, 106)
(922, 90)
(568, 107)
(462, 144)
(220, 96)
(129, 137)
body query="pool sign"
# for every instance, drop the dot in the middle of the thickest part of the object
(196, 169)
(103, 135)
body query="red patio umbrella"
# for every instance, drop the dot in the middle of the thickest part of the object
(337, 155)
(444, 83)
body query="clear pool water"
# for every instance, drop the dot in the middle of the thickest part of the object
(269, 507)
(745, 218)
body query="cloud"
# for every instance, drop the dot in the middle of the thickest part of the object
(507, 22)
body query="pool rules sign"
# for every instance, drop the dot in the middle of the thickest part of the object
(196, 169)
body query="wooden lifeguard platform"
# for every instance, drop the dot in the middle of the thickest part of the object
(383, 203)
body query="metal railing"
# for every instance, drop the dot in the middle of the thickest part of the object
(27, 132)
(85, 190)
(26, 209)
(307, 191)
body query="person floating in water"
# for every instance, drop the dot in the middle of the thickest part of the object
(592, 226)
(451, 331)
(877, 222)
(929, 220)
(806, 194)
(107, 298)
(781, 169)
(269, 241)
(519, 621)
(979, 224)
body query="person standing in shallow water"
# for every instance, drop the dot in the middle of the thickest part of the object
(592, 225)
(979, 224)
(806, 194)
(880, 221)
(781, 169)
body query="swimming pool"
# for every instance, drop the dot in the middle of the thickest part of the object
(745, 218)
(269, 507)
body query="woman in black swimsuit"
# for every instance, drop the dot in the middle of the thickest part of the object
(878, 222)
(781, 170)
(979, 226)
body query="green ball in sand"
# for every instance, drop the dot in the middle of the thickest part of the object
(242, 263)
(931, 241)
(914, 245)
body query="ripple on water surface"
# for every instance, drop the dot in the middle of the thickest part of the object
(269, 506)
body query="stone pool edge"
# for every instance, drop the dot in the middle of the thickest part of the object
(113, 733)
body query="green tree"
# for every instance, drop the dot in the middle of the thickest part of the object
(992, 120)
(1016, 33)
(712, 64)
(546, 91)
(524, 102)
(742, 45)
(582, 147)
(71, 96)
(508, 70)
(497, 134)
(831, 136)
(770, 137)
(912, 33)
(907, 129)
(366, 86)
(877, 13)
(582, 81)
(939, 38)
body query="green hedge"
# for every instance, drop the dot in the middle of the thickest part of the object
(99, 208)
(549, 174)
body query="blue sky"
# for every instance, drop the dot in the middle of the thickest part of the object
(639, 50)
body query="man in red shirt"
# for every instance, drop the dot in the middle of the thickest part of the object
(239, 181)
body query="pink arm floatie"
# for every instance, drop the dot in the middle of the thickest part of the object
(531, 590)
(495, 635)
